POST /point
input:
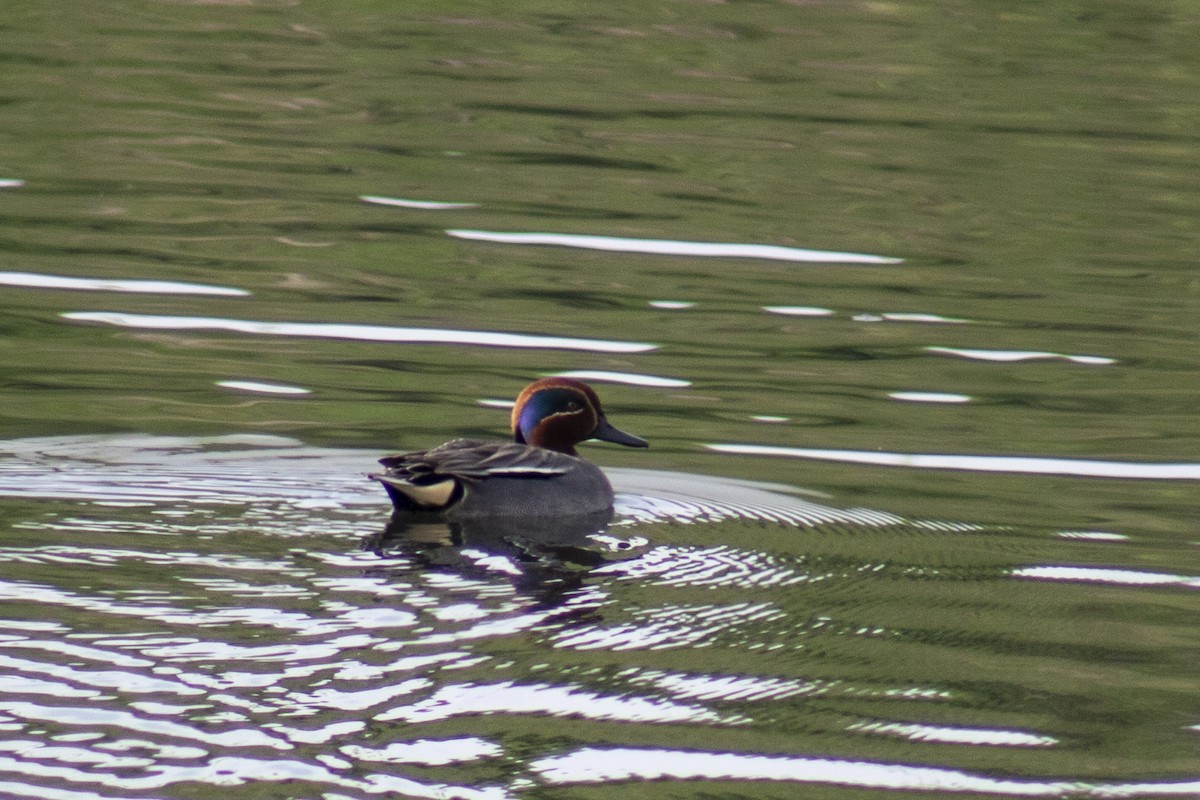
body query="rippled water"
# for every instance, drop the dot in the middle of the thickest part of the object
(902, 296)
(191, 612)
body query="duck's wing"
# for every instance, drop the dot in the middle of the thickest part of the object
(475, 459)
(433, 480)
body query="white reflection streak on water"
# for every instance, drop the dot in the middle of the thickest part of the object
(604, 765)
(491, 402)
(745, 688)
(1030, 465)
(951, 735)
(263, 388)
(930, 397)
(509, 697)
(1123, 577)
(424, 205)
(15, 684)
(428, 752)
(35, 280)
(757, 688)
(905, 316)
(799, 311)
(631, 378)
(32, 625)
(362, 333)
(1093, 536)
(1019, 355)
(675, 248)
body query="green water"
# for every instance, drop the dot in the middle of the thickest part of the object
(1034, 165)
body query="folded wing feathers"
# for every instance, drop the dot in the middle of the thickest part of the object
(471, 459)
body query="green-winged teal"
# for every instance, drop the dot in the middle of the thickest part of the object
(539, 474)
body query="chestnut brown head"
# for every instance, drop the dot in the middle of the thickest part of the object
(559, 413)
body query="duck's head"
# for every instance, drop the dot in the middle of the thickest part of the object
(559, 413)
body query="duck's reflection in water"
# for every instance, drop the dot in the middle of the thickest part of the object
(545, 558)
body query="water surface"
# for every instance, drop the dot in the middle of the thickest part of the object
(902, 297)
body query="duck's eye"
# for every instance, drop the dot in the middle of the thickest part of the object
(574, 405)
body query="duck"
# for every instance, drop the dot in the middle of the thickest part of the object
(539, 474)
